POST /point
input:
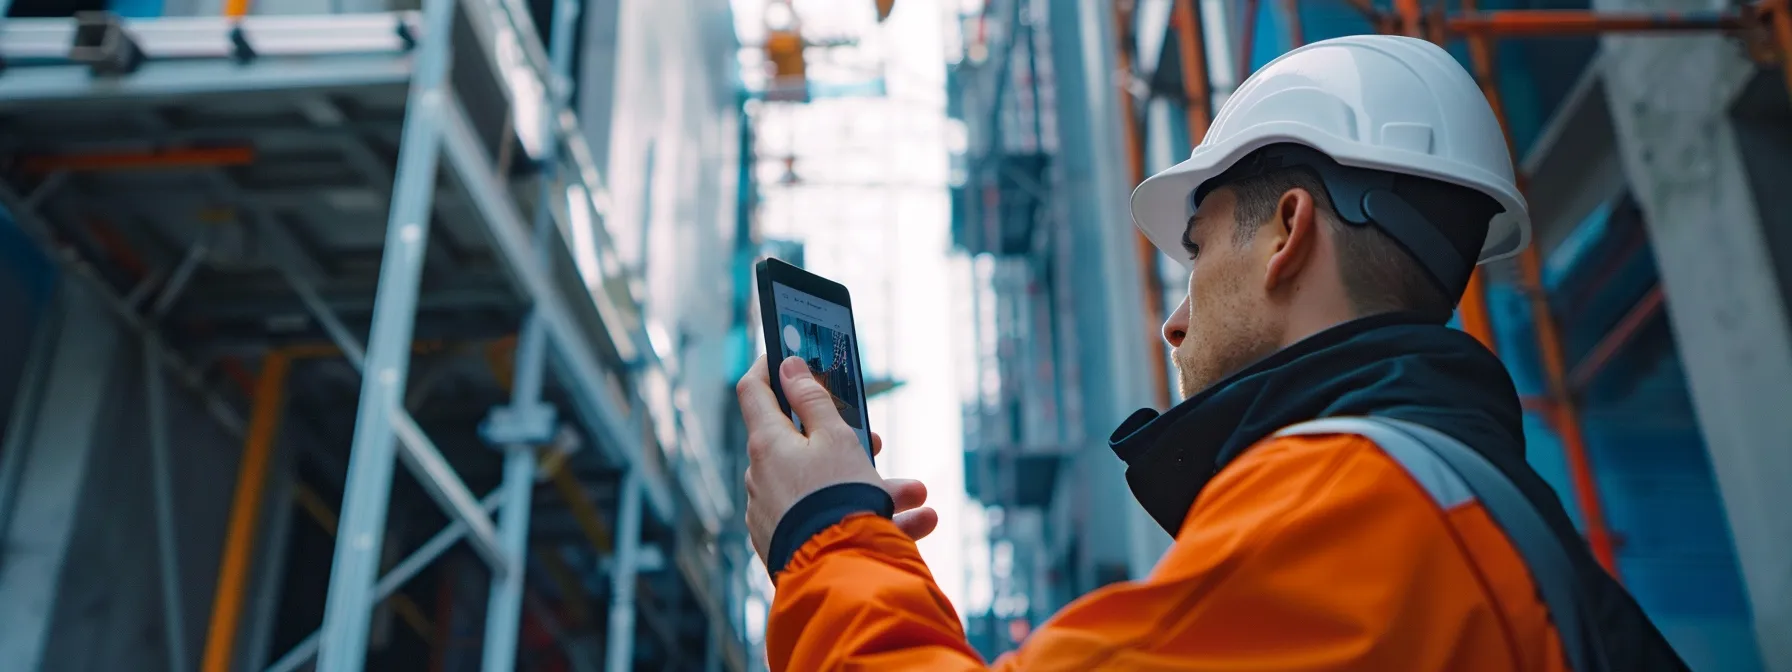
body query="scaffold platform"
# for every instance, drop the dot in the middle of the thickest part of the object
(405, 195)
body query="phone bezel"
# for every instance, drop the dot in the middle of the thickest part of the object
(773, 270)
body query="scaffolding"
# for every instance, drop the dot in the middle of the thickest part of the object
(219, 121)
(1766, 26)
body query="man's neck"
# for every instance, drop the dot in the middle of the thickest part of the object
(1302, 324)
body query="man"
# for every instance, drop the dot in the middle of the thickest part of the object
(1330, 222)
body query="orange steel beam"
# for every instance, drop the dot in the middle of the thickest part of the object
(1564, 23)
(268, 396)
(1562, 413)
(1196, 86)
(1434, 22)
(1146, 253)
(165, 158)
(1247, 38)
(239, 539)
(1409, 14)
(1473, 313)
(1296, 36)
(236, 9)
(1781, 24)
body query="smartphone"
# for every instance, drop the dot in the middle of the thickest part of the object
(808, 316)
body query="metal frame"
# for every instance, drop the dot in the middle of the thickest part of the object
(200, 56)
(389, 33)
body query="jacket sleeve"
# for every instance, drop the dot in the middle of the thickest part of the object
(857, 595)
(1309, 553)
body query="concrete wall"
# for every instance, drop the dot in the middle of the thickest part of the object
(80, 577)
(673, 152)
(1670, 100)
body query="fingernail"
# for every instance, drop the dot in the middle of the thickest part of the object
(793, 368)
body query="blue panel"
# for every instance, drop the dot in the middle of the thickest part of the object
(137, 9)
(24, 266)
(27, 278)
(1576, 247)
(1544, 452)
(1661, 502)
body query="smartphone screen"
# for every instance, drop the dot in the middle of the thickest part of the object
(820, 332)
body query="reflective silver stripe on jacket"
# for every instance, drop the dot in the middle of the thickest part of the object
(1454, 474)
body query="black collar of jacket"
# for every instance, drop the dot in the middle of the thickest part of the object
(1395, 364)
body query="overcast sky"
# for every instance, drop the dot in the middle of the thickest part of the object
(872, 210)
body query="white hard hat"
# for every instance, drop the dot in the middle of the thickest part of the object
(1396, 105)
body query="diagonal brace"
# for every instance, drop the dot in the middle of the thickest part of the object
(432, 470)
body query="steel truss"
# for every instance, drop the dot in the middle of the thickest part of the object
(179, 57)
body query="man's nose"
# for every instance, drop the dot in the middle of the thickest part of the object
(1176, 327)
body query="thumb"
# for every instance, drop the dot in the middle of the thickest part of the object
(808, 399)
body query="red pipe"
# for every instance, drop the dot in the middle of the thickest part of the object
(169, 158)
(1564, 417)
(1296, 36)
(1476, 320)
(1562, 414)
(1409, 12)
(1146, 253)
(1639, 315)
(1564, 23)
(1782, 35)
(1195, 84)
(1246, 40)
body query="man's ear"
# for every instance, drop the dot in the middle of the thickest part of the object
(1295, 235)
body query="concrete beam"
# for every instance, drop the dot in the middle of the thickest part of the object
(56, 455)
(1670, 101)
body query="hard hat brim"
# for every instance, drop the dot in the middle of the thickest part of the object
(1160, 205)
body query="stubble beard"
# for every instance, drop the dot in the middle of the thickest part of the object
(1218, 358)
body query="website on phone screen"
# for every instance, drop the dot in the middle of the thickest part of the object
(820, 332)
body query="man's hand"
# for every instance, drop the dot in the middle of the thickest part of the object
(786, 466)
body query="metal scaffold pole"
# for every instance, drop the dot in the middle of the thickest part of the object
(349, 605)
(1562, 412)
(527, 422)
(161, 468)
(621, 643)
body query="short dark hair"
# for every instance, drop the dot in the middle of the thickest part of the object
(1380, 276)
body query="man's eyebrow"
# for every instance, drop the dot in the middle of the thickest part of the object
(1194, 221)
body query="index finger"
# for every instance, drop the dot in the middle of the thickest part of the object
(757, 403)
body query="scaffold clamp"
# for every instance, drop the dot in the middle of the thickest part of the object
(103, 44)
(406, 36)
(526, 426)
(240, 50)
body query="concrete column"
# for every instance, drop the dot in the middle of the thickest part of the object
(1106, 288)
(57, 450)
(1670, 101)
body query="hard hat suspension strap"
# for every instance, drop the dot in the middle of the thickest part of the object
(1440, 225)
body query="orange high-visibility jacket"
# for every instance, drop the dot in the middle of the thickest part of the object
(1306, 553)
